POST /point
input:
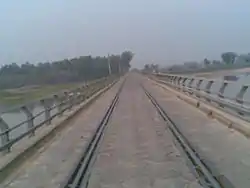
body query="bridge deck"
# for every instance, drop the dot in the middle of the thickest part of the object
(136, 150)
(225, 150)
(51, 166)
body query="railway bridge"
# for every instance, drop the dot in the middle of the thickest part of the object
(135, 131)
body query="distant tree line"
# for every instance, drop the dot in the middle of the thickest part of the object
(68, 70)
(229, 60)
(151, 67)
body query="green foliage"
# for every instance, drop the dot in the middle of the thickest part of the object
(25, 94)
(151, 67)
(65, 71)
(146, 67)
(125, 58)
(206, 62)
(229, 57)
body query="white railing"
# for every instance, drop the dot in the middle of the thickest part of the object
(52, 106)
(227, 95)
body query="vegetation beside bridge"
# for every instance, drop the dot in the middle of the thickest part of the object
(21, 83)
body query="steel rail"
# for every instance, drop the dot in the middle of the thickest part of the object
(81, 172)
(203, 173)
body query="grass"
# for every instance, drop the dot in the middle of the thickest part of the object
(18, 96)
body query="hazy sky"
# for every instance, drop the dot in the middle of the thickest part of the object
(163, 31)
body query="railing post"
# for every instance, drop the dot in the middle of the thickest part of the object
(184, 80)
(222, 89)
(87, 91)
(179, 82)
(73, 95)
(77, 96)
(198, 87)
(82, 98)
(208, 86)
(190, 83)
(66, 100)
(174, 79)
(59, 104)
(46, 107)
(170, 78)
(240, 95)
(30, 119)
(183, 83)
(5, 138)
(71, 100)
(198, 84)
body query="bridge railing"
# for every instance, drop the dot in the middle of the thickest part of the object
(227, 95)
(49, 108)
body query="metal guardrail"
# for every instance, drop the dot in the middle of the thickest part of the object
(52, 106)
(236, 104)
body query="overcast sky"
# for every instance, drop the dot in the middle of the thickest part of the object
(163, 31)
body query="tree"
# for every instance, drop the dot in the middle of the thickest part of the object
(115, 63)
(216, 62)
(78, 69)
(146, 67)
(229, 57)
(154, 67)
(151, 68)
(125, 60)
(206, 62)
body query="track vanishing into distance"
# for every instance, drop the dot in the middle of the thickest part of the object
(82, 172)
(139, 135)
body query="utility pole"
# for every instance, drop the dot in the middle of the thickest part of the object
(109, 65)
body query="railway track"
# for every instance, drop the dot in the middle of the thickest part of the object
(80, 174)
(203, 173)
